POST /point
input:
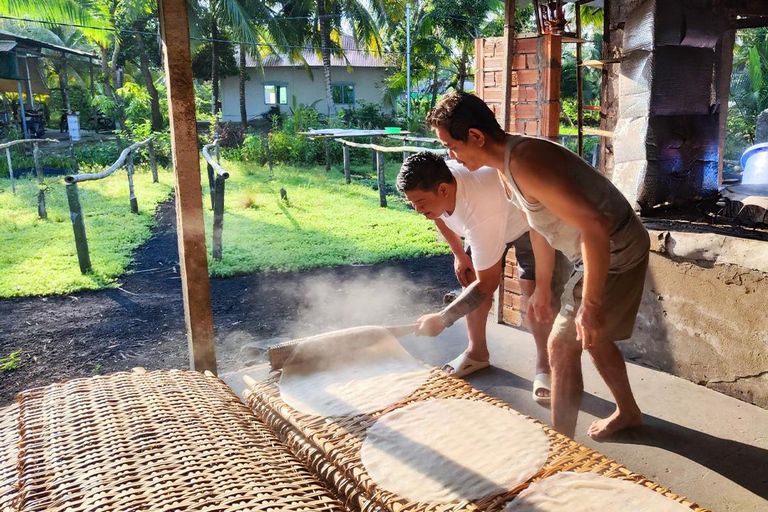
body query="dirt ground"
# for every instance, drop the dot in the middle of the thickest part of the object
(142, 322)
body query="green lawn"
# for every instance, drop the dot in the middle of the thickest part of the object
(324, 223)
(39, 257)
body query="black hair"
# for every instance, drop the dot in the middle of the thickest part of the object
(423, 171)
(460, 111)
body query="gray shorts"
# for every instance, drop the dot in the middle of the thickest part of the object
(526, 266)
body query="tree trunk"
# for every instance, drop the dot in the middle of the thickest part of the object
(64, 84)
(243, 112)
(105, 73)
(325, 50)
(119, 121)
(214, 67)
(433, 100)
(157, 116)
(462, 71)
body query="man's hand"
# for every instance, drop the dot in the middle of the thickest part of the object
(464, 270)
(589, 324)
(540, 305)
(430, 325)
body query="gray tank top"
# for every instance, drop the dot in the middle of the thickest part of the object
(629, 238)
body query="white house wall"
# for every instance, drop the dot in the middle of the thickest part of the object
(367, 82)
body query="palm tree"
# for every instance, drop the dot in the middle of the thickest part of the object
(318, 23)
(749, 80)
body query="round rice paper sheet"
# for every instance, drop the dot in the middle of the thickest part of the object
(349, 372)
(449, 450)
(587, 492)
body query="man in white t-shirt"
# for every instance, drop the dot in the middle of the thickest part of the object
(474, 205)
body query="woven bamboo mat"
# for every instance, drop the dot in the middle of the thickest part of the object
(9, 454)
(165, 440)
(331, 448)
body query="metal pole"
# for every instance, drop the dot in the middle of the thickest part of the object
(23, 113)
(408, 60)
(29, 83)
(78, 226)
(10, 169)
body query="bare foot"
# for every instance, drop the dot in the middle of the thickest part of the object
(613, 423)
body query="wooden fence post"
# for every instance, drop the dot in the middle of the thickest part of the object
(327, 155)
(210, 184)
(73, 159)
(382, 181)
(269, 155)
(132, 194)
(406, 154)
(153, 161)
(78, 226)
(345, 150)
(41, 212)
(10, 169)
(218, 216)
(374, 161)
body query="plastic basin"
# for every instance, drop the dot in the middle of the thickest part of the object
(392, 129)
(754, 163)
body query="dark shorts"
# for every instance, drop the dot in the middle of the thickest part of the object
(622, 296)
(526, 266)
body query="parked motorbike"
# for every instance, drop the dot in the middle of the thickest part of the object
(35, 123)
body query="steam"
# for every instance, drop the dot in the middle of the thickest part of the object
(382, 299)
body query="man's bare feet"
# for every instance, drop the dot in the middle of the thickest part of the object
(617, 421)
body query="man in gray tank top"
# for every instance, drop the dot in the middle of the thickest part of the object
(575, 209)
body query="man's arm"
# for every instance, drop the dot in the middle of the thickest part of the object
(540, 175)
(470, 299)
(462, 262)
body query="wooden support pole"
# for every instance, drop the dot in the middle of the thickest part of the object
(10, 169)
(41, 211)
(78, 226)
(73, 159)
(382, 179)
(218, 216)
(193, 258)
(405, 153)
(327, 155)
(153, 161)
(131, 192)
(345, 152)
(509, 53)
(579, 84)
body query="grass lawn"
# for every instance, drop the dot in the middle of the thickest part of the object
(39, 256)
(324, 222)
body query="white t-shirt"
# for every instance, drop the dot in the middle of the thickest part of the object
(483, 215)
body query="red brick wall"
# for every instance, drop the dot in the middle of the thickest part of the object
(534, 78)
(534, 110)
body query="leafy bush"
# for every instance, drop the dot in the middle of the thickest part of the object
(230, 135)
(569, 114)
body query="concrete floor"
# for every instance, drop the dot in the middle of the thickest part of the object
(699, 443)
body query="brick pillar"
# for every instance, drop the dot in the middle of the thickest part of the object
(534, 110)
(534, 80)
